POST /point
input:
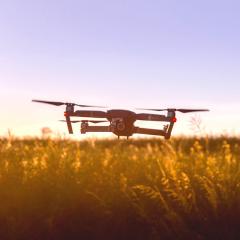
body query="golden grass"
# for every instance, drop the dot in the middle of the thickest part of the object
(139, 189)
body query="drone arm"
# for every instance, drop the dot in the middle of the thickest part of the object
(149, 131)
(95, 129)
(90, 114)
(152, 117)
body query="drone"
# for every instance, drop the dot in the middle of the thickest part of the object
(120, 121)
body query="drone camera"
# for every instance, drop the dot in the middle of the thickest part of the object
(120, 126)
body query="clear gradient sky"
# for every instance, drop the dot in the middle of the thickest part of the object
(128, 53)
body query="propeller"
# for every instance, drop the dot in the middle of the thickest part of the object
(182, 110)
(91, 121)
(63, 103)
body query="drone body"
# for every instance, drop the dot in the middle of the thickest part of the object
(121, 122)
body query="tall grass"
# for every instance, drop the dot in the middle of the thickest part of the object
(139, 189)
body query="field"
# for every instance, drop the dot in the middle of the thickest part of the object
(184, 188)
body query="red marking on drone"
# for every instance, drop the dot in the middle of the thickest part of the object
(174, 120)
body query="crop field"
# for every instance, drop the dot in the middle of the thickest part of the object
(185, 188)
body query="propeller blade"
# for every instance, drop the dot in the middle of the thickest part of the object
(182, 110)
(49, 102)
(80, 105)
(64, 103)
(70, 121)
(152, 109)
(91, 121)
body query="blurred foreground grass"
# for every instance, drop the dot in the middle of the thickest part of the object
(138, 189)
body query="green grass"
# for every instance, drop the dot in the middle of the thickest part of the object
(138, 189)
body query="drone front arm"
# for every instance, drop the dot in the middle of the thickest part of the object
(95, 129)
(152, 117)
(149, 131)
(90, 114)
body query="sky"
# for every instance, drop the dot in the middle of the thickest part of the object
(120, 54)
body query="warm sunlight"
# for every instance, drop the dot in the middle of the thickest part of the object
(119, 120)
